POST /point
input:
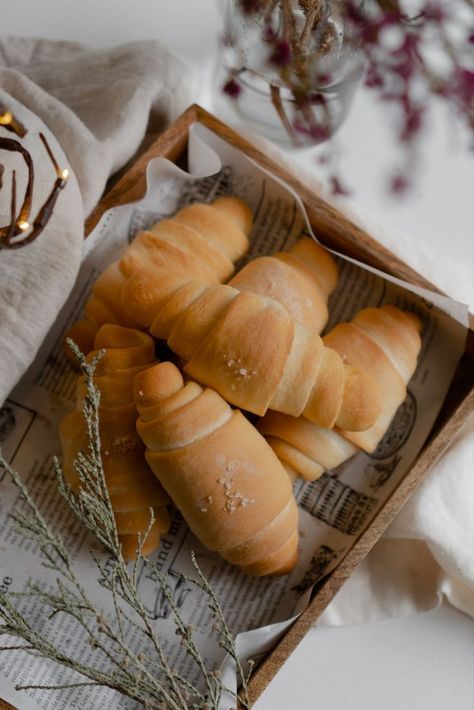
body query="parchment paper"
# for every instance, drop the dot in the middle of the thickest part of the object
(334, 510)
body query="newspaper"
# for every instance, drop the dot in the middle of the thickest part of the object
(334, 510)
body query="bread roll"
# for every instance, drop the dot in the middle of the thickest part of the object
(249, 349)
(303, 448)
(132, 487)
(200, 241)
(257, 351)
(222, 475)
(301, 280)
(386, 341)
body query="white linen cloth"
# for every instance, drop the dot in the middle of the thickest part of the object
(99, 105)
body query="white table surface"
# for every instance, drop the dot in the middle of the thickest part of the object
(427, 660)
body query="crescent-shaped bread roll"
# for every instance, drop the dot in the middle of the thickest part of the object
(201, 242)
(261, 352)
(386, 341)
(301, 280)
(303, 448)
(132, 487)
(249, 349)
(219, 471)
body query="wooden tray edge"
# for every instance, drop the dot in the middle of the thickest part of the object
(350, 239)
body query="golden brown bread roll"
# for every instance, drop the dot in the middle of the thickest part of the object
(255, 350)
(222, 475)
(248, 348)
(132, 487)
(200, 241)
(301, 280)
(303, 448)
(386, 341)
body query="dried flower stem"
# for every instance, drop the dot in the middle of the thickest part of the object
(278, 104)
(313, 10)
(145, 676)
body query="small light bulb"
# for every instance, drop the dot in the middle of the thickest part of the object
(64, 174)
(23, 226)
(6, 118)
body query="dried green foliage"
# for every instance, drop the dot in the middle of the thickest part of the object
(145, 676)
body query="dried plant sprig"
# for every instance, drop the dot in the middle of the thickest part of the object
(145, 676)
(227, 640)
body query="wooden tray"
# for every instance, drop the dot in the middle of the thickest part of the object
(339, 233)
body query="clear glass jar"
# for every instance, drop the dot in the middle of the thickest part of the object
(294, 105)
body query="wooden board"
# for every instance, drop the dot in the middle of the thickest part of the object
(336, 231)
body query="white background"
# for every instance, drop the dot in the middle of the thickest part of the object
(424, 661)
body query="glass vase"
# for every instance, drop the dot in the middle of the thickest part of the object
(294, 101)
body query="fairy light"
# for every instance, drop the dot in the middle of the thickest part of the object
(6, 118)
(22, 223)
(8, 121)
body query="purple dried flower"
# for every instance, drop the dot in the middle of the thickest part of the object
(281, 54)
(370, 30)
(405, 69)
(316, 131)
(353, 12)
(369, 33)
(324, 78)
(232, 88)
(399, 184)
(268, 34)
(318, 99)
(337, 187)
(413, 122)
(319, 133)
(405, 57)
(432, 11)
(373, 78)
(463, 86)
